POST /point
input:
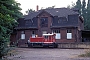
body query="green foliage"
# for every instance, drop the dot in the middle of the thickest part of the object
(88, 16)
(29, 10)
(83, 11)
(3, 48)
(78, 5)
(9, 13)
(51, 7)
(87, 54)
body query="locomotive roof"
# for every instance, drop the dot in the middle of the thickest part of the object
(47, 34)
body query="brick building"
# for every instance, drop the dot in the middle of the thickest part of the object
(65, 22)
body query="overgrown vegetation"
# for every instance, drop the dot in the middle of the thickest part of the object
(87, 54)
(84, 10)
(9, 13)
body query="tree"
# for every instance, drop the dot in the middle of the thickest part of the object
(83, 12)
(29, 10)
(88, 16)
(9, 13)
(51, 7)
(78, 5)
(71, 6)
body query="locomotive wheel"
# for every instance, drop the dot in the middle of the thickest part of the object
(29, 45)
(55, 45)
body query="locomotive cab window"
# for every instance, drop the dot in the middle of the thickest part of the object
(46, 37)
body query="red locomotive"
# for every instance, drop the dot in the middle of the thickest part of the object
(47, 40)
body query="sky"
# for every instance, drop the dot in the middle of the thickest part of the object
(31, 4)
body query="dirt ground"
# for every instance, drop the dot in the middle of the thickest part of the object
(47, 54)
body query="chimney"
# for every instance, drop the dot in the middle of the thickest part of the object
(37, 7)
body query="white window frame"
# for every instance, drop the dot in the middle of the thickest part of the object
(22, 36)
(58, 36)
(69, 35)
(33, 35)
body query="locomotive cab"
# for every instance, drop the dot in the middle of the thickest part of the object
(47, 40)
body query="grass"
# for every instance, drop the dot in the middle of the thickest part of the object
(87, 54)
(12, 51)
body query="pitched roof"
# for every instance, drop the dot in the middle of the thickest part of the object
(31, 15)
(60, 12)
(64, 26)
(25, 28)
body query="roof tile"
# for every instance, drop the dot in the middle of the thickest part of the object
(60, 12)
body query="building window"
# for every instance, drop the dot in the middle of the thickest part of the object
(69, 34)
(44, 22)
(62, 19)
(44, 32)
(22, 34)
(56, 31)
(29, 22)
(33, 34)
(58, 34)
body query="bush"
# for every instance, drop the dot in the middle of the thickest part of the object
(3, 48)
